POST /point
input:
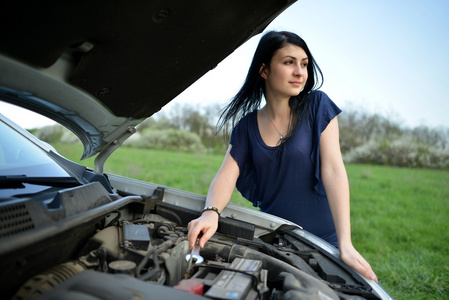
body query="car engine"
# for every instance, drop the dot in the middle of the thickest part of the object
(127, 246)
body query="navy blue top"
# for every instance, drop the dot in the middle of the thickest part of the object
(287, 184)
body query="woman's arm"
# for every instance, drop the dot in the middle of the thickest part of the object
(219, 194)
(336, 184)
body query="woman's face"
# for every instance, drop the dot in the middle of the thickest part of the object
(287, 73)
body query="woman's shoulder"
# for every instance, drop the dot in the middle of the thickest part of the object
(247, 119)
(320, 104)
(318, 95)
(245, 123)
(319, 98)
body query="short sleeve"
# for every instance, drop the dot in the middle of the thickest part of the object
(240, 151)
(322, 111)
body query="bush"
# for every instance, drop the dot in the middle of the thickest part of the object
(170, 139)
(56, 134)
(358, 128)
(402, 152)
(69, 137)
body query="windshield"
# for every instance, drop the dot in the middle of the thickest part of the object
(20, 156)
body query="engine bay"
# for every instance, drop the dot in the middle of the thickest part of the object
(135, 247)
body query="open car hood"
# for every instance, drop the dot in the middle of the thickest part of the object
(100, 68)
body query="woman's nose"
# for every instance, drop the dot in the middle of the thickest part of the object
(298, 71)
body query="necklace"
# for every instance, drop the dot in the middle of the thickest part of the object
(281, 136)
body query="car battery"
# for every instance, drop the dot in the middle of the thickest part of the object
(236, 285)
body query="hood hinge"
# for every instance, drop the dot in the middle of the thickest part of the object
(111, 147)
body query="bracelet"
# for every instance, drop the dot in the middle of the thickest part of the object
(211, 208)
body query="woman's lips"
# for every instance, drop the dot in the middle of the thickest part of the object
(296, 83)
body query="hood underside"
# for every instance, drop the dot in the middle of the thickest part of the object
(100, 68)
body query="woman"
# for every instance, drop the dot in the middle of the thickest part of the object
(285, 157)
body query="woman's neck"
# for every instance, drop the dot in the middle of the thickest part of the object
(274, 122)
(276, 110)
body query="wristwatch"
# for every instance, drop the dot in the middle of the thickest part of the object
(211, 208)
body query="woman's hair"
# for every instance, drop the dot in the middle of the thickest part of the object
(250, 94)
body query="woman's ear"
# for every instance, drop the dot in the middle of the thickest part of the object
(263, 71)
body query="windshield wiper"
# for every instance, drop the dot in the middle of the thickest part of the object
(17, 181)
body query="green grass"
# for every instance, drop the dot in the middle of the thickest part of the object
(185, 171)
(399, 216)
(400, 224)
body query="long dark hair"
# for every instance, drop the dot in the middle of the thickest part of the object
(250, 94)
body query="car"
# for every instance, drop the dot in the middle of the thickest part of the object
(71, 232)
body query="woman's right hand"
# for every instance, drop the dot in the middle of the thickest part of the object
(203, 228)
(219, 193)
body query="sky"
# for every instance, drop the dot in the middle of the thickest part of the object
(384, 57)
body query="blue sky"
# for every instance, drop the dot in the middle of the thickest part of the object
(386, 57)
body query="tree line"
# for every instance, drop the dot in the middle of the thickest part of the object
(364, 138)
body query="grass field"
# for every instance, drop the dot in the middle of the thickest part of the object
(399, 216)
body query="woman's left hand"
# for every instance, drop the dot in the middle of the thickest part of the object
(350, 256)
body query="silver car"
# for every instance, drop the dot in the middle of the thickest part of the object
(70, 232)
